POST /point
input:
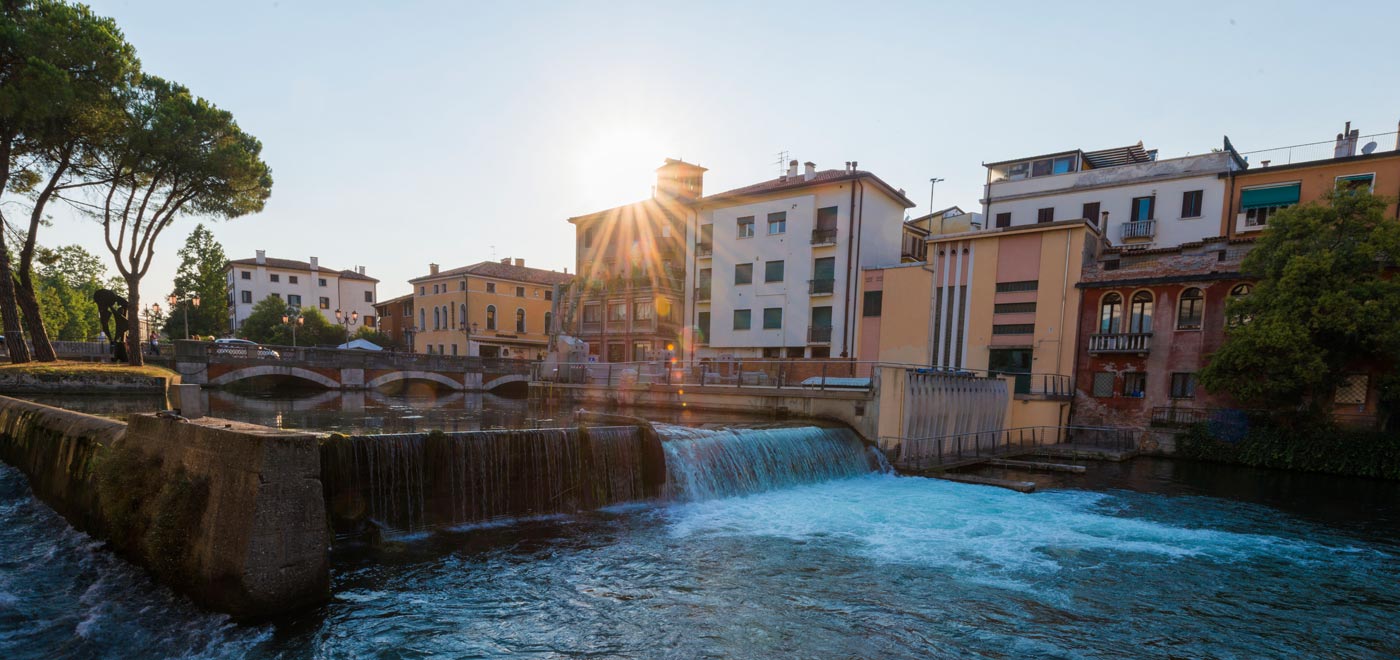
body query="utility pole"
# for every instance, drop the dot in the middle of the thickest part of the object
(932, 183)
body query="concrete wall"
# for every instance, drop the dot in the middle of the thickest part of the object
(68, 383)
(232, 515)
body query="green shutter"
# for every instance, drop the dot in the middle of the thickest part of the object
(1253, 198)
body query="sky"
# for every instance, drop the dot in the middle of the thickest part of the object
(407, 133)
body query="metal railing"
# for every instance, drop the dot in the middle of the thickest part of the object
(1121, 342)
(819, 334)
(805, 374)
(821, 286)
(823, 236)
(1137, 229)
(962, 448)
(702, 293)
(704, 249)
(209, 352)
(1047, 385)
(1302, 153)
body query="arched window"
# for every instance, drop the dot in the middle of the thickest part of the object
(520, 320)
(1189, 309)
(1237, 295)
(548, 322)
(1241, 290)
(1140, 313)
(490, 317)
(462, 315)
(422, 319)
(437, 318)
(1111, 314)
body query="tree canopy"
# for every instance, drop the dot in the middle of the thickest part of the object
(1325, 305)
(202, 274)
(265, 325)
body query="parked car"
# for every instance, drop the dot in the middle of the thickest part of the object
(235, 346)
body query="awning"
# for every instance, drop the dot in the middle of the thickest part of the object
(1253, 198)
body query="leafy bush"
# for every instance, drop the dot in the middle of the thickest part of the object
(1310, 448)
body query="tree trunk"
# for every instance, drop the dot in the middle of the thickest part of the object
(9, 312)
(133, 314)
(29, 305)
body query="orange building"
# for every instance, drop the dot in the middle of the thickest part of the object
(492, 309)
(396, 320)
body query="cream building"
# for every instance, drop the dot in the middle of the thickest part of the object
(302, 284)
(491, 309)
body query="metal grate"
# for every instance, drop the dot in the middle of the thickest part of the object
(1103, 384)
(1353, 390)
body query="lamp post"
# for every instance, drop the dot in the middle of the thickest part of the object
(152, 317)
(193, 299)
(347, 320)
(293, 318)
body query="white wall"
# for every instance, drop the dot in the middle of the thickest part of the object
(344, 293)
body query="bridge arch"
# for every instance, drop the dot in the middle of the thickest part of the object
(502, 381)
(274, 370)
(397, 376)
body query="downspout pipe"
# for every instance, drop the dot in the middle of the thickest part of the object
(851, 285)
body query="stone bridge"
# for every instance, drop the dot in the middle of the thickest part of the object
(215, 365)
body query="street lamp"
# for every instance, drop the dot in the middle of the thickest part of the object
(152, 316)
(347, 321)
(192, 298)
(293, 318)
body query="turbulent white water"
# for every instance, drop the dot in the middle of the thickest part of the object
(704, 464)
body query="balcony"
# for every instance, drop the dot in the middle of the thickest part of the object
(819, 334)
(702, 293)
(821, 287)
(823, 237)
(1137, 229)
(1121, 342)
(913, 248)
(704, 250)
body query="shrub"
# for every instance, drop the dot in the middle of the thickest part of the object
(1310, 448)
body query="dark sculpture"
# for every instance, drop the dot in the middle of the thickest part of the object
(112, 307)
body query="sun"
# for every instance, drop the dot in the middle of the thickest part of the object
(618, 163)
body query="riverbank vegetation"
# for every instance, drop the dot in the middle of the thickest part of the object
(86, 369)
(1321, 447)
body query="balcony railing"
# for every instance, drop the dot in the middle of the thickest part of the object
(704, 249)
(821, 287)
(1137, 229)
(1121, 342)
(702, 293)
(823, 236)
(819, 334)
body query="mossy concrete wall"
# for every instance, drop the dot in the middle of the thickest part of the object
(230, 514)
(57, 382)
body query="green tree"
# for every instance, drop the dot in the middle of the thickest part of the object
(201, 273)
(1325, 305)
(178, 155)
(265, 325)
(70, 275)
(64, 74)
(376, 337)
(264, 322)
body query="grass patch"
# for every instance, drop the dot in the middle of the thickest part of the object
(87, 369)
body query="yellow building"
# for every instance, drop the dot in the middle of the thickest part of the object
(491, 309)
(999, 300)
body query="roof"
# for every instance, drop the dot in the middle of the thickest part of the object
(1038, 226)
(293, 264)
(500, 271)
(404, 298)
(938, 214)
(1111, 157)
(823, 177)
(643, 207)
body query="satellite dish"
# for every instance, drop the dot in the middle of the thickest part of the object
(1370, 146)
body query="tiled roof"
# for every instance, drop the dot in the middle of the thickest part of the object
(646, 208)
(500, 271)
(800, 181)
(401, 299)
(293, 264)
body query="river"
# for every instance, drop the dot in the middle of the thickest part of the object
(1149, 558)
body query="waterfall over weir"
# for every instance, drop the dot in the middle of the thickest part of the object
(419, 481)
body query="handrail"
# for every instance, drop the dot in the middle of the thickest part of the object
(932, 451)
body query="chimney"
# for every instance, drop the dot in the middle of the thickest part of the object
(792, 168)
(848, 166)
(262, 257)
(520, 263)
(810, 170)
(315, 263)
(1346, 142)
(432, 269)
(506, 261)
(854, 166)
(362, 270)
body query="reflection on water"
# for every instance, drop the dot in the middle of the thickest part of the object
(374, 412)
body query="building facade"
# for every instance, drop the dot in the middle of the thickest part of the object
(491, 309)
(1136, 199)
(302, 284)
(628, 301)
(776, 265)
(396, 320)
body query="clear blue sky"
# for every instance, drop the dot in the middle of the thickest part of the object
(406, 133)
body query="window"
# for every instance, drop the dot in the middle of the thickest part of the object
(777, 223)
(320, 281)
(1365, 182)
(773, 271)
(1183, 386)
(1352, 391)
(246, 296)
(872, 304)
(275, 277)
(772, 318)
(1191, 203)
(294, 300)
(490, 287)
(743, 273)
(1143, 208)
(462, 286)
(1014, 308)
(1189, 309)
(490, 317)
(1238, 294)
(369, 320)
(520, 292)
(1135, 384)
(642, 310)
(422, 318)
(435, 289)
(369, 296)
(743, 319)
(640, 350)
(592, 314)
(323, 302)
(1103, 384)
(520, 320)
(548, 321)
(277, 296)
(666, 230)
(549, 294)
(821, 351)
(588, 237)
(1042, 167)
(437, 318)
(1010, 287)
(826, 218)
(746, 227)
(617, 312)
(291, 279)
(454, 349)
(245, 274)
(1261, 202)
(702, 327)
(1140, 313)
(462, 315)
(1045, 215)
(1003, 219)
(422, 290)
(1014, 329)
(1091, 212)
(1111, 314)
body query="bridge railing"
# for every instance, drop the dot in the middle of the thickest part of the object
(341, 358)
(775, 374)
(945, 450)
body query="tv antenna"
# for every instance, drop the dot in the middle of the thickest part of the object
(782, 161)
